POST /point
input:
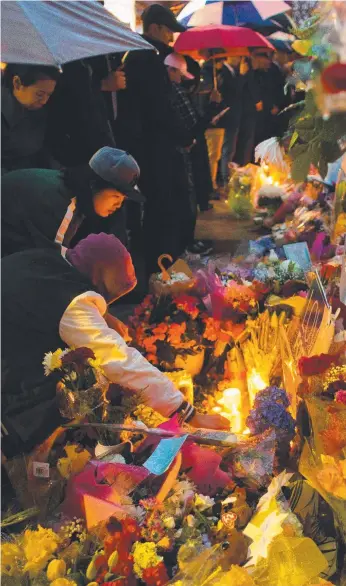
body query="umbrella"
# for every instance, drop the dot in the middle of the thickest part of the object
(53, 33)
(227, 40)
(282, 41)
(256, 14)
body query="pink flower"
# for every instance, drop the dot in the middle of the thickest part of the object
(340, 397)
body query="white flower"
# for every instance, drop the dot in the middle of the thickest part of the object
(169, 522)
(47, 363)
(115, 459)
(183, 490)
(203, 502)
(178, 533)
(191, 521)
(137, 513)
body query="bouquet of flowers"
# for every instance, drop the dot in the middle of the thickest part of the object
(82, 385)
(170, 327)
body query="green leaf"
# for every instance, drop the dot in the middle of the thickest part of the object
(293, 139)
(301, 165)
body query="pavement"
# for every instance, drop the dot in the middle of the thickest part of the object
(225, 233)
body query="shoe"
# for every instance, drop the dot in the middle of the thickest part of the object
(204, 247)
(215, 196)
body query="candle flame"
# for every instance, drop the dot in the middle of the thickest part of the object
(231, 403)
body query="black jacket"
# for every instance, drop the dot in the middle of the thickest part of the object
(146, 117)
(37, 287)
(33, 205)
(78, 122)
(22, 134)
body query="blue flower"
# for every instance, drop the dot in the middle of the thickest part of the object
(269, 414)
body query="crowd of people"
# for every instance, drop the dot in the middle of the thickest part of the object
(177, 124)
(125, 147)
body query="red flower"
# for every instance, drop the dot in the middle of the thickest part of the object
(78, 358)
(187, 304)
(316, 364)
(156, 576)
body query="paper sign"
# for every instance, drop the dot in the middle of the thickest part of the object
(40, 469)
(299, 253)
(161, 459)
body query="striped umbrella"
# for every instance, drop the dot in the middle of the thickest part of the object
(262, 15)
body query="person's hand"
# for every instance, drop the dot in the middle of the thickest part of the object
(244, 67)
(215, 96)
(115, 324)
(214, 421)
(274, 110)
(115, 81)
(259, 106)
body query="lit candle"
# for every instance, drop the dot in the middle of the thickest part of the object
(231, 402)
(255, 383)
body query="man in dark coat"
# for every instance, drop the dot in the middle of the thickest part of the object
(232, 85)
(148, 127)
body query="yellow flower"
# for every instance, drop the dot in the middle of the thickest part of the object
(56, 569)
(145, 556)
(63, 582)
(11, 556)
(39, 547)
(52, 361)
(246, 180)
(302, 47)
(165, 543)
(74, 463)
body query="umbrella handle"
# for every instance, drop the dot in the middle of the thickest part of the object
(214, 75)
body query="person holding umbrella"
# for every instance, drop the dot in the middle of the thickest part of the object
(148, 127)
(25, 92)
(41, 207)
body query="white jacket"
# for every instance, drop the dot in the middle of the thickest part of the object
(83, 324)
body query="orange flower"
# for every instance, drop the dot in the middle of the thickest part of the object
(152, 358)
(160, 330)
(334, 437)
(233, 329)
(149, 344)
(212, 329)
(175, 332)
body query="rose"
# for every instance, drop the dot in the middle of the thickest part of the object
(78, 358)
(315, 364)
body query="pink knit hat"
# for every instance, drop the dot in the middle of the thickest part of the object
(107, 263)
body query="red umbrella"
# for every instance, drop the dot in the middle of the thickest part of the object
(228, 40)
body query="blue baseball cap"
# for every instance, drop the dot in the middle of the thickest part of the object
(119, 169)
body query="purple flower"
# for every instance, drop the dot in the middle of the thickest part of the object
(272, 395)
(268, 414)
